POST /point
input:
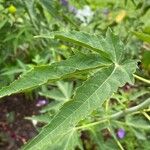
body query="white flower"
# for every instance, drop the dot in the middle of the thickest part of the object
(34, 122)
(85, 14)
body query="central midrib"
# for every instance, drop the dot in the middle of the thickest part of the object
(76, 109)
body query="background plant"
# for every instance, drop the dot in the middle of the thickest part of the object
(86, 58)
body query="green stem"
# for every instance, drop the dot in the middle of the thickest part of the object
(142, 79)
(92, 124)
(131, 110)
(110, 129)
(118, 114)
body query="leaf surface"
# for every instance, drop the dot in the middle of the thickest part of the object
(69, 141)
(143, 36)
(93, 92)
(110, 47)
(56, 71)
(87, 98)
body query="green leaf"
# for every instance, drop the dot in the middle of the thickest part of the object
(56, 71)
(52, 106)
(29, 5)
(69, 141)
(110, 47)
(141, 135)
(61, 95)
(53, 94)
(146, 60)
(143, 36)
(49, 6)
(65, 88)
(138, 94)
(2, 24)
(92, 93)
(138, 122)
(88, 97)
(44, 118)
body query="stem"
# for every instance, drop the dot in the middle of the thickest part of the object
(92, 124)
(146, 115)
(131, 110)
(118, 114)
(115, 138)
(142, 79)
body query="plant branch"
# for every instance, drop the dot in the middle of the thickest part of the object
(142, 79)
(131, 110)
(118, 114)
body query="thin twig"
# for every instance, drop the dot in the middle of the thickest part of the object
(141, 78)
(118, 114)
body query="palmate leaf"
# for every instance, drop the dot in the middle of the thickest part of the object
(56, 71)
(88, 97)
(61, 95)
(91, 95)
(110, 47)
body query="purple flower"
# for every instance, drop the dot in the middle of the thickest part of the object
(105, 11)
(72, 9)
(64, 2)
(121, 133)
(41, 102)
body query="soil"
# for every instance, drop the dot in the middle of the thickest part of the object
(15, 130)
